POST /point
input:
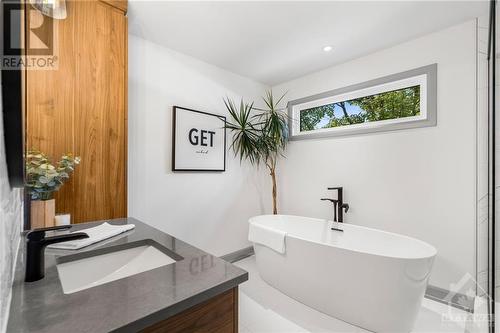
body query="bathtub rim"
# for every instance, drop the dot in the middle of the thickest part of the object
(432, 249)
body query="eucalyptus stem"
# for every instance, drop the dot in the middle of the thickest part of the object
(45, 195)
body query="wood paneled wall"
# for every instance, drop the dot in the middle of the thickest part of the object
(82, 107)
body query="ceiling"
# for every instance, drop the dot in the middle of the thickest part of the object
(276, 41)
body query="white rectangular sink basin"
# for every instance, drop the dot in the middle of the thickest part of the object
(100, 269)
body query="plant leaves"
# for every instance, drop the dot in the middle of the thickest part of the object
(258, 136)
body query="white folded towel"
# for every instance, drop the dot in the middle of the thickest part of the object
(96, 234)
(272, 238)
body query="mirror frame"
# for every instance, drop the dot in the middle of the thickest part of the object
(12, 103)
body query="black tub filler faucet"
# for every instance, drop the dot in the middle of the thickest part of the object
(339, 207)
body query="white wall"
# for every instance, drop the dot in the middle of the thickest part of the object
(208, 210)
(418, 182)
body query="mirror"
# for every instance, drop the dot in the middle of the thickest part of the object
(12, 109)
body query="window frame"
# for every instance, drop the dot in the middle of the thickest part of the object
(425, 77)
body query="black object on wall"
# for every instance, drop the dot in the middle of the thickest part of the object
(12, 95)
(492, 162)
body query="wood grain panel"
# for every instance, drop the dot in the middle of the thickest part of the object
(81, 107)
(217, 315)
(50, 97)
(100, 111)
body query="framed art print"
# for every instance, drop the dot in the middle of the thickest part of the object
(199, 141)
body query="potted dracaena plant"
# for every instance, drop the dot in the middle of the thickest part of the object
(42, 180)
(259, 135)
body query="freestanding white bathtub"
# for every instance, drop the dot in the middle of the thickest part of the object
(367, 277)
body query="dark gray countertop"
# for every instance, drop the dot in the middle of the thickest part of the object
(125, 305)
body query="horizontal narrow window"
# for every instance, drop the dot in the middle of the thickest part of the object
(395, 104)
(403, 100)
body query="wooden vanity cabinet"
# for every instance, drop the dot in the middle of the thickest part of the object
(217, 315)
(81, 106)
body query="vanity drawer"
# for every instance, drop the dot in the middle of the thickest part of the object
(218, 315)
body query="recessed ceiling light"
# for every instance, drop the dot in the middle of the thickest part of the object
(327, 48)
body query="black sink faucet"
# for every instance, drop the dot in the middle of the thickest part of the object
(35, 249)
(338, 204)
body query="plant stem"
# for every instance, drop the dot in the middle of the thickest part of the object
(275, 194)
(46, 195)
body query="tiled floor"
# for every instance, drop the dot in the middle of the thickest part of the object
(264, 309)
